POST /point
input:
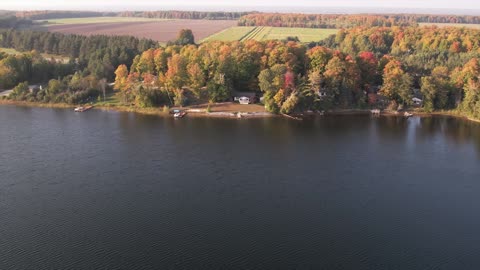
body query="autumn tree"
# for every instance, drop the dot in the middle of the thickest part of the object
(176, 78)
(196, 78)
(146, 62)
(160, 59)
(429, 91)
(185, 37)
(7, 76)
(471, 102)
(342, 80)
(290, 103)
(270, 82)
(435, 89)
(54, 87)
(121, 76)
(367, 64)
(462, 76)
(176, 75)
(396, 83)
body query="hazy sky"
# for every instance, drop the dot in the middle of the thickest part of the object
(116, 4)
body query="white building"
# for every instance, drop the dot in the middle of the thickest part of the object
(417, 101)
(244, 100)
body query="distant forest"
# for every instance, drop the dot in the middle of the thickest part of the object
(57, 14)
(190, 15)
(266, 19)
(97, 55)
(348, 21)
(10, 21)
(170, 14)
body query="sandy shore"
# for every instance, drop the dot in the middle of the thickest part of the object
(228, 110)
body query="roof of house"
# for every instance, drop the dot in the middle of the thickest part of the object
(245, 94)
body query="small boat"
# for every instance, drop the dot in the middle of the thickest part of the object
(375, 112)
(82, 109)
(180, 114)
(407, 114)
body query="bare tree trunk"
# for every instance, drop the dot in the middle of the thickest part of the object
(103, 86)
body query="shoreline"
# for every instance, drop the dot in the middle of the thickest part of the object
(192, 112)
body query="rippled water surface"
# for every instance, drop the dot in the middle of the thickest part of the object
(124, 191)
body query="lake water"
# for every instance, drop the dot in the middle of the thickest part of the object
(115, 190)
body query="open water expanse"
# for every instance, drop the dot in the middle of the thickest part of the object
(112, 190)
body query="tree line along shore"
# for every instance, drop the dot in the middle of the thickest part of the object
(365, 67)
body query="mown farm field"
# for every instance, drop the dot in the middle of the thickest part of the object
(231, 34)
(164, 30)
(159, 30)
(262, 33)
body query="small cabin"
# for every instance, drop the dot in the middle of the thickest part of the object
(34, 87)
(417, 101)
(244, 100)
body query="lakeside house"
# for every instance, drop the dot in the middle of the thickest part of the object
(34, 87)
(417, 101)
(245, 97)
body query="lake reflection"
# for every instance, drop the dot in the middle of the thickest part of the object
(125, 191)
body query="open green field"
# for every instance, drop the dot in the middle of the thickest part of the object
(230, 34)
(9, 51)
(262, 33)
(304, 34)
(44, 55)
(97, 20)
(473, 26)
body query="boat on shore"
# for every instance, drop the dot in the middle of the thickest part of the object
(82, 108)
(375, 112)
(179, 114)
(407, 114)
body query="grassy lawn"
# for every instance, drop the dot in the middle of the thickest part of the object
(473, 26)
(97, 20)
(230, 107)
(262, 33)
(112, 99)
